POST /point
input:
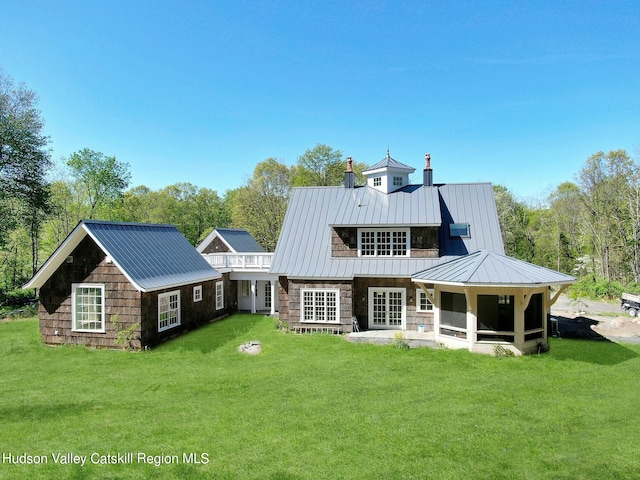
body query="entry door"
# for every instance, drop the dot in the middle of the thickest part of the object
(386, 308)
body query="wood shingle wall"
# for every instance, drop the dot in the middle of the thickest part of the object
(87, 264)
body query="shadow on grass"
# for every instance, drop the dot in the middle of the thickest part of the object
(42, 411)
(585, 344)
(215, 335)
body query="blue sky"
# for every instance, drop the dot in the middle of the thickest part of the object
(516, 93)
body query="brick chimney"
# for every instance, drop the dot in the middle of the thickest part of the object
(428, 173)
(349, 176)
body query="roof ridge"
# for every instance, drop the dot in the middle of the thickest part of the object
(115, 222)
(483, 254)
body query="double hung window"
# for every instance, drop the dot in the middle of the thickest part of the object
(168, 310)
(88, 309)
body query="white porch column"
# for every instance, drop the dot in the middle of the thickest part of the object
(273, 297)
(471, 294)
(253, 295)
(522, 298)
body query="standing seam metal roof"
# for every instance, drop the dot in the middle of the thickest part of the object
(488, 268)
(151, 256)
(238, 239)
(304, 246)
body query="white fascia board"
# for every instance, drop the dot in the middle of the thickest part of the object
(492, 285)
(176, 285)
(214, 233)
(57, 258)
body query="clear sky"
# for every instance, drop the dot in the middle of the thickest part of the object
(516, 93)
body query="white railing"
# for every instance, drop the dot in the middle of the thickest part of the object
(260, 261)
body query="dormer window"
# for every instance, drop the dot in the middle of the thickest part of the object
(377, 181)
(383, 242)
(459, 230)
(397, 181)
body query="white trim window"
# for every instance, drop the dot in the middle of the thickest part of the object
(245, 288)
(219, 295)
(87, 307)
(383, 242)
(320, 305)
(197, 293)
(423, 304)
(168, 310)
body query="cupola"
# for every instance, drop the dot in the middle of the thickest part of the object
(388, 175)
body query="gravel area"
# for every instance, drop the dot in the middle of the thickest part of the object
(590, 319)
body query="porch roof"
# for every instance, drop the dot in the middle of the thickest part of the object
(488, 268)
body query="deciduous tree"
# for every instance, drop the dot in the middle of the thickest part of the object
(24, 163)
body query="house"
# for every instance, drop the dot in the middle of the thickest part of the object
(400, 256)
(235, 252)
(110, 276)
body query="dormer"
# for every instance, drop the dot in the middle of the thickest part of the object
(388, 175)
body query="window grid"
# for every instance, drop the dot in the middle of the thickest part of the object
(267, 294)
(197, 293)
(320, 306)
(424, 304)
(377, 181)
(89, 308)
(219, 295)
(384, 243)
(397, 181)
(168, 310)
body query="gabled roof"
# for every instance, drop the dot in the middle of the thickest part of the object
(152, 257)
(304, 246)
(389, 164)
(489, 268)
(237, 239)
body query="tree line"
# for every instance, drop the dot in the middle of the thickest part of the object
(589, 228)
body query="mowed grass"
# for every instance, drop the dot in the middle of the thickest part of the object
(316, 406)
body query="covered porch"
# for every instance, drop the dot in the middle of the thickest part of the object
(484, 300)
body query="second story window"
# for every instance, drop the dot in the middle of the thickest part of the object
(383, 242)
(397, 181)
(377, 181)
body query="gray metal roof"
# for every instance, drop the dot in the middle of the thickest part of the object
(367, 206)
(152, 257)
(304, 246)
(238, 240)
(389, 163)
(489, 268)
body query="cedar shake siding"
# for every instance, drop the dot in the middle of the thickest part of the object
(361, 306)
(216, 246)
(89, 265)
(192, 314)
(424, 242)
(293, 298)
(354, 298)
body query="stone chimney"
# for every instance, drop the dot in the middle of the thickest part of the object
(428, 173)
(349, 176)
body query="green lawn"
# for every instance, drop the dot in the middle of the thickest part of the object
(317, 406)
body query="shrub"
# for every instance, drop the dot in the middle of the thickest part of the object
(18, 297)
(595, 288)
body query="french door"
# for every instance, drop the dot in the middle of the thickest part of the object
(386, 308)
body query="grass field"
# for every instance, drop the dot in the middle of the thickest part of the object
(313, 407)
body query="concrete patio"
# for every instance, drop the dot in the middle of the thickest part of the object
(386, 337)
